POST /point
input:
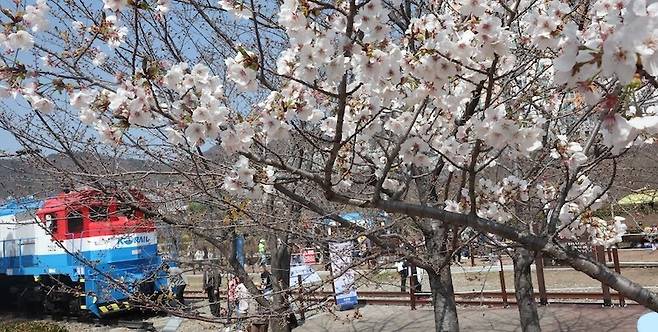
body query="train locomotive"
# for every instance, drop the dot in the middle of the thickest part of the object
(78, 253)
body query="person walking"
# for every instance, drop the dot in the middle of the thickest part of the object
(212, 280)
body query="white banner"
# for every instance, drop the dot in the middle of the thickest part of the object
(309, 276)
(341, 261)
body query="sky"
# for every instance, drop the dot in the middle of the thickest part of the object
(7, 142)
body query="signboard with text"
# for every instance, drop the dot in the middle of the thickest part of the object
(344, 287)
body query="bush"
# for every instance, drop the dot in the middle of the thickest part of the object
(26, 326)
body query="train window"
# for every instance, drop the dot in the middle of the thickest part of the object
(51, 223)
(126, 211)
(74, 220)
(98, 213)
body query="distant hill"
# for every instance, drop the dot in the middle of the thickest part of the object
(19, 178)
(25, 176)
(637, 169)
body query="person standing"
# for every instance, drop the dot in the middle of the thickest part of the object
(403, 272)
(266, 282)
(198, 258)
(418, 287)
(457, 256)
(242, 303)
(212, 280)
(262, 251)
(232, 296)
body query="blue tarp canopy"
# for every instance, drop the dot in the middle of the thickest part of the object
(354, 217)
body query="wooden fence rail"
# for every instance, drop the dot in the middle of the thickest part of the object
(502, 297)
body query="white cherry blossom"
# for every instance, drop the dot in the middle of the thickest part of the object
(195, 133)
(20, 40)
(41, 104)
(241, 70)
(36, 16)
(174, 136)
(114, 5)
(237, 8)
(99, 59)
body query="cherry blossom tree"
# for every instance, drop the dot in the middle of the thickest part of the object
(483, 114)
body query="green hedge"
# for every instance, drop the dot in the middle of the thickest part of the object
(27, 326)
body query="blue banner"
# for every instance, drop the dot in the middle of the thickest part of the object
(238, 248)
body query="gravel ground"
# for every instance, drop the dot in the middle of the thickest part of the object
(394, 318)
(553, 318)
(159, 323)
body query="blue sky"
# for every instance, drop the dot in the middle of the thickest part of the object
(7, 142)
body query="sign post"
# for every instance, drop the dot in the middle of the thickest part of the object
(344, 287)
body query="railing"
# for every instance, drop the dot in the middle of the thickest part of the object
(14, 250)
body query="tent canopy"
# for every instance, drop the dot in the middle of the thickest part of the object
(645, 197)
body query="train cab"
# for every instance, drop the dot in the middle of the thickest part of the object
(89, 214)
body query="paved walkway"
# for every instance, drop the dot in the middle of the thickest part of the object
(589, 318)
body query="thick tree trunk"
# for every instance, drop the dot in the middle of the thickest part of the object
(281, 280)
(525, 297)
(279, 324)
(443, 300)
(443, 295)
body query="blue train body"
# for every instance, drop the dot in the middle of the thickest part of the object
(78, 252)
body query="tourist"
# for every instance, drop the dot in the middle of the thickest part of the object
(266, 282)
(198, 258)
(242, 303)
(262, 251)
(177, 283)
(212, 280)
(232, 295)
(403, 272)
(457, 256)
(418, 287)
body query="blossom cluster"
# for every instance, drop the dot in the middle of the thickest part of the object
(35, 17)
(493, 199)
(577, 219)
(469, 87)
(597, 230)
(570, 153)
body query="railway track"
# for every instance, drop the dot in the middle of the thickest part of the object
(492, 298)
(133, 321)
